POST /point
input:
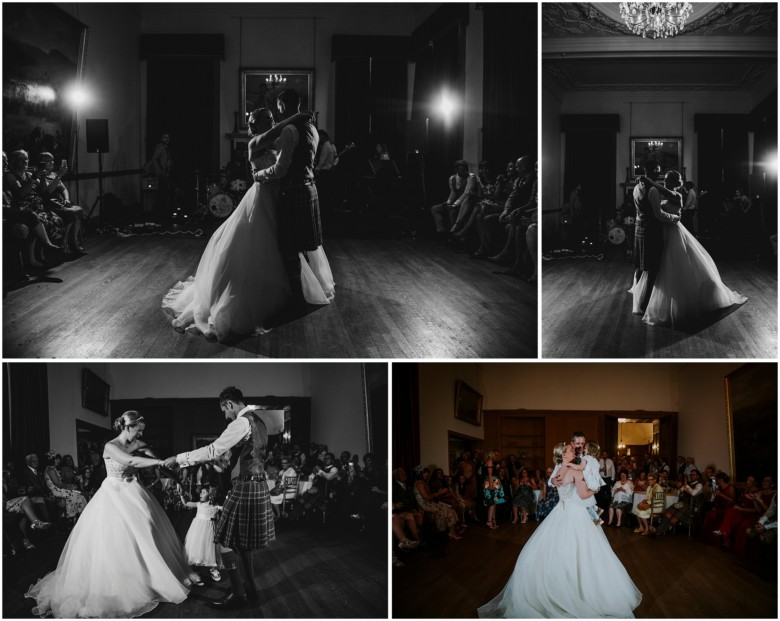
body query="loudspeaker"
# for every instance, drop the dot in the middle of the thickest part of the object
(97, 135)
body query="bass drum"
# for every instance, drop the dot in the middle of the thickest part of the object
(616, 235)
(221, 205)
(238, 185)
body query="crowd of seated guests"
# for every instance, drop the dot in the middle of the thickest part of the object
(493, 218)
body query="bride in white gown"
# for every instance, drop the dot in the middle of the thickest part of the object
(241, 280)
(567, 568)
(688, 283)
(123, 556)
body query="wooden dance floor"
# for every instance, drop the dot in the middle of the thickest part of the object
(394, 299)
(586, 313)
(304, 574)
(678, 577)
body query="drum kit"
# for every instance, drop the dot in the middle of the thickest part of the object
(221, 196)
(620, 229)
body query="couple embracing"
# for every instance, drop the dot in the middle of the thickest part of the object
(567, 568)
(267, 256)
(676, 282)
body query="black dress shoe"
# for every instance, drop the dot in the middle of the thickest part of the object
(229, 602)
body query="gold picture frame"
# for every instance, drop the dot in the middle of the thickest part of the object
(260, 87)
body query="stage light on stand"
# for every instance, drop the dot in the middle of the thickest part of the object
(446, 106)
(78, 97)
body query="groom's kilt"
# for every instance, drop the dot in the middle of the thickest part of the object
(299, 220)
(647, 246)
(247, 521)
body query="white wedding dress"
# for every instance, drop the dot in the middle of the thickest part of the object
(688, 283)
(121, 559)
(241, 279)
(567, 569)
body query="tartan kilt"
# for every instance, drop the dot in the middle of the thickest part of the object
(299, 220)
(647, 252)
(247, 521)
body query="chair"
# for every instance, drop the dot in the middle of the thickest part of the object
(289, 491)
(657, 506)
(696, 503)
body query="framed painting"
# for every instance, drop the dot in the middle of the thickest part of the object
(44, 49)
(260, 87)
(751, 413)
(666, 151)
(468, 403)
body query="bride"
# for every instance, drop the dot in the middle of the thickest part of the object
(241, 280)
(688, 284)
(567, 568)
(123, 557)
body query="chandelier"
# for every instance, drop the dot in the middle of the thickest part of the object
(658, 19)
(275, 80)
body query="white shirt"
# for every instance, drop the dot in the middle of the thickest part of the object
(327, 157)
(237, 430)
(607, 468)
(591, 473)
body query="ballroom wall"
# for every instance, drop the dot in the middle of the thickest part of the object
(337, 414)
(695, 390)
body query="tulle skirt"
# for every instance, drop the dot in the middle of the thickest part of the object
(687, 286)
(199, 544)
(241, 279)
(121, 559)
(567, 569)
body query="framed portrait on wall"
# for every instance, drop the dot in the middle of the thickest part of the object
(44, 49)
(260, 87)
(666, 151)
(468, 403)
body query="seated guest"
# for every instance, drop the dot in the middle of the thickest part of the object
(549, 497)
(69, 498)
(622, 498)
(488, 210)
(438, 483)
(98, 473)
(372, 492)
(690, 466)
(23, 211)
(316, 497)
(57, 200)
(279, 495)
(445, 516)
(654, 506)
(517, 211)
(663, 479)
(485, 189)
(766, 526)
(532, 235)
(406, 512)
(640, 485)
(682, 511)
(21, 506)
(741, 515)
(725, 495)
(463, 191)
(68, 472)
(34, 486)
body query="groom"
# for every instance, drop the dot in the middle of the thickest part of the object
(299, 213)
(648, 232)
(246, 523)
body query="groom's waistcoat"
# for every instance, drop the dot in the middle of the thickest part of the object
(301, 167)
(252, 451)
(645, 219)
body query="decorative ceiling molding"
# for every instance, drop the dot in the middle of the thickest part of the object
(583, 19)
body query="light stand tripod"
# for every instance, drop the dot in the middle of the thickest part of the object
(99, 199)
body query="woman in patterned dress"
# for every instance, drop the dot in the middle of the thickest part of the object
(73, 500)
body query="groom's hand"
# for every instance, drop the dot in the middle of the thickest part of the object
(170, 462)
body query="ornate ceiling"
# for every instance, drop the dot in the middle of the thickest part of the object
(724, 47)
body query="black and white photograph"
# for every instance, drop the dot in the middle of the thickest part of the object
(659, 180)
(588, 490)
(203, 490)
(270, 180)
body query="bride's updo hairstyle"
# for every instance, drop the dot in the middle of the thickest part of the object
(673, 180)
(261, 120)
(558, 452)
(131, 418)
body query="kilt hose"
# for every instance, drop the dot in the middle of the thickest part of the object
(300, 228)
(247, 521)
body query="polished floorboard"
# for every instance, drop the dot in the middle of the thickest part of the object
(305, 573)
(678, 577)
(395, 298)
(586, 313)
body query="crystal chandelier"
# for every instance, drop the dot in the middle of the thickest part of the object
(658, 19)
(275, 80)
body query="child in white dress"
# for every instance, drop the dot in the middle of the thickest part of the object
(590, 472)
(199, 545)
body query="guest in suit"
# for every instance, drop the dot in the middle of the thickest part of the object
(34, 486)
(406, 512)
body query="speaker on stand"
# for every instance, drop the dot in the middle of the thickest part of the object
(97, 142)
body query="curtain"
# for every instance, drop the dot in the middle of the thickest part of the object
(353, 87)
(509, 92)
(406, 415)
(26, 420)
(388, 103)
(183, 99)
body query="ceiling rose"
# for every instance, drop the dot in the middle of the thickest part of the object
(657, 19)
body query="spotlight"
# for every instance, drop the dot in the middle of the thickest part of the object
(446, 105)
(78, 97)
